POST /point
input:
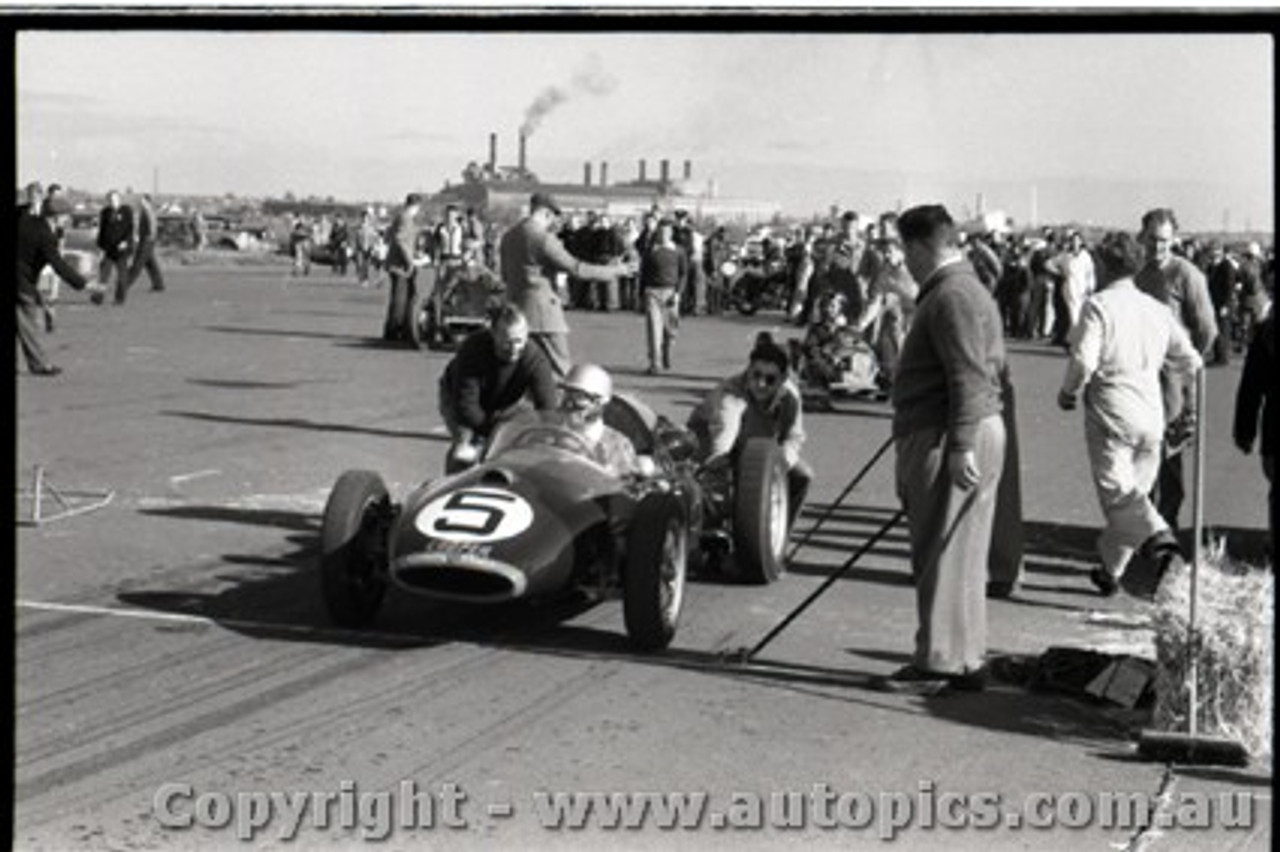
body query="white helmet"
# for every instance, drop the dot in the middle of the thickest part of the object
(591, 379)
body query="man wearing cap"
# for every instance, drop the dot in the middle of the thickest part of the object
(1223, 273)
(38, 247)
(530, 255)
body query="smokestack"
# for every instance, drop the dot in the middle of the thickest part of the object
(688, 170)
(666, 170)
(493, 153)
(586, 174)
(604, 173)
(521, 162)
(642, 171)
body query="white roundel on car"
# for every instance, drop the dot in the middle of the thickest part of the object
(475, 515)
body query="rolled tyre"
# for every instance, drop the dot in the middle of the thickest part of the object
(760, 511)
(655, 572)
(353, 549)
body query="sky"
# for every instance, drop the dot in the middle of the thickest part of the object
(1047, 127)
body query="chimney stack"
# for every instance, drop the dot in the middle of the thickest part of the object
(493, 153)
(642, 171)
(688, 170)
(604, 173)
(666, 170)
(586, 174)
(522, 153)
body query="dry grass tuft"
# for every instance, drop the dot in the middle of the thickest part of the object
(1235, 651)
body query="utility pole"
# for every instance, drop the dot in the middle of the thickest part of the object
(1035, 216)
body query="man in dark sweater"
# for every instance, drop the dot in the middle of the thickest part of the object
(38, 247)
(950, 443)
(662, 275)
(493, 374)
(115, 239)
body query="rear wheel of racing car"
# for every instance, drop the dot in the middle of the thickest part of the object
(746, 291)
(760, 511)
(655, 571)
(353, 548)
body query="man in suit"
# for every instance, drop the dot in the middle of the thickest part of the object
(38, 246)
(144, 256)
(402, 266)
(115, 240)
(530, 256)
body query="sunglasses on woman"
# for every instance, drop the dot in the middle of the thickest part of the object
(765, 377)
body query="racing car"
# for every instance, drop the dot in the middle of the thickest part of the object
(461, 302)
(834, 359)
(537, 517)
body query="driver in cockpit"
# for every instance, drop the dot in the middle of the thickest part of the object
(585, 391)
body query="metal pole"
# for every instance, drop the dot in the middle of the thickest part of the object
(1197, 527)
(816, 593)
(853, 483)
(35, 508)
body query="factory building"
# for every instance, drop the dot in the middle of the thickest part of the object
(501, 193)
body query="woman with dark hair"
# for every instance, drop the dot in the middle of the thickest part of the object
(761, 401)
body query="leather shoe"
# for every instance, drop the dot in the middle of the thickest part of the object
(46, 370)
(999, 589)
(1105, 583)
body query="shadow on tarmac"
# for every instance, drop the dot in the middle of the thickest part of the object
(278, 332)
(302, 423)
(244, 384)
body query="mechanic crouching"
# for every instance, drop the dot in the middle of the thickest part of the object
(494, 375)
(758, 402)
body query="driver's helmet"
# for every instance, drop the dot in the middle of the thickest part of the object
(585, 391)
(589, 380)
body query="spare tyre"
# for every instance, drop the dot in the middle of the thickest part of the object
(760, 511)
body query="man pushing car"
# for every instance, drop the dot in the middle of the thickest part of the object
(493, 375)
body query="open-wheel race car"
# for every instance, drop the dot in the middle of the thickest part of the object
(460, 302)
(838, 364)
(537, 517)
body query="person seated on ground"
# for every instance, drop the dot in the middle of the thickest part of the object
(585, 391)
(493, 375)
(761, 401)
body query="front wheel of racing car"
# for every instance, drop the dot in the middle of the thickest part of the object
(760, 511)
(353, 548)
(655, 572)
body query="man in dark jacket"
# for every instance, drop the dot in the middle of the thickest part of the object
(1257, 392)
(38, 246)
(115, 240)
(493, 374)
(144, 257)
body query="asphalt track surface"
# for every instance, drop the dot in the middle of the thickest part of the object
(177, 636)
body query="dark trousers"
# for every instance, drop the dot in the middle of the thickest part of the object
(1170, 488)
(399, 304)
(30, 319)
(120, 264)
(798, 480)
(1004, 562)
(145, 258)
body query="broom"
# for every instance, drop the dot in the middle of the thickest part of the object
(1193, 748)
